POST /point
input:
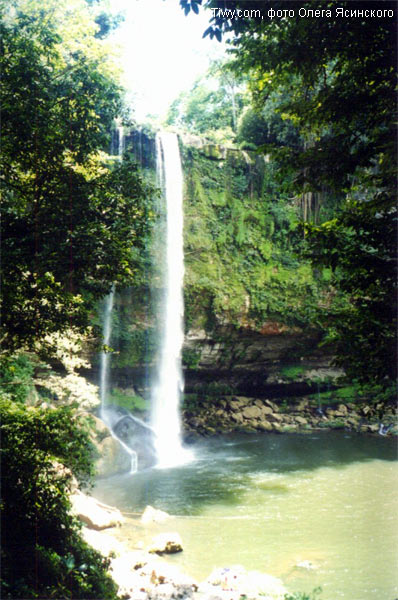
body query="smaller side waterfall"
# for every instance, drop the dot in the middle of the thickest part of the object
(107, 315)
(121, 142)
(167, 392)
(107, 412)
(105, 356)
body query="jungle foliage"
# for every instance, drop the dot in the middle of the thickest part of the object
(43, 555)
(212, 107)
(243, 254)
(69, 217)
(74, 221)
(333, 79)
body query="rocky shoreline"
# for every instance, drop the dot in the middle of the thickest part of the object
(144, 574)
(242, 414)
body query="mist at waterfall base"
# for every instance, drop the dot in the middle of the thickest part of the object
(312, 509)
(167, 391)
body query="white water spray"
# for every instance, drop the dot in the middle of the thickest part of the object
(167, 393)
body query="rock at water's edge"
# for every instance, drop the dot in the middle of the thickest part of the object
(93, 513)
(166, 543)
(153, 515)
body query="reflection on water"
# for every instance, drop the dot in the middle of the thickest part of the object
(312, 509)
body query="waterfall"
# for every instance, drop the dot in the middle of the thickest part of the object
(105, 356)
(107, 316)
(167, 392)
(121, 142)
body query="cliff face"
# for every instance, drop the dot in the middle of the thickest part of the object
(250, 300)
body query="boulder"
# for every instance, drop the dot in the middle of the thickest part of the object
(101, 430)
(243, 400)
(166, 543)
(153, 515)
(301, 421)
(277, 427)
(303, 405)
(238, 417)
(264, 426)
(62, 472)
(196, 422)
(275, 418)
(274, 406)
(113, 458)
(252, 412)
(288, 428)
(235, 405)
(103, 542)
(267, 410)
(134, 433)
(373, 428)
(169, 583)
(94, 513)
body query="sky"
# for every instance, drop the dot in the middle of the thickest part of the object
(163, 51)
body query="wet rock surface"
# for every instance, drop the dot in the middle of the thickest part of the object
(134, 433)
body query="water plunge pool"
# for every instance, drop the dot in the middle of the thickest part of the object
(314, 510)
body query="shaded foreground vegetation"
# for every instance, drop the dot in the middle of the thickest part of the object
(295, 226)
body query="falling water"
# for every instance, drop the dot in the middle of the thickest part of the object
(121, 142)
(107, 321)
(105, 356)
(167, 392)
(107, 333)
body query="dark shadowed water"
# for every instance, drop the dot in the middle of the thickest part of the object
(318, 509)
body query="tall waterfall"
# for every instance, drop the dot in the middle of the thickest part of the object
(167, 392)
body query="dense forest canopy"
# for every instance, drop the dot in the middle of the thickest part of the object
(74, 221)
(69, 219)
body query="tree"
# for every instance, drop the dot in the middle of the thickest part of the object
(266, 128)
(335, 78)
(69, 219)
(43, 555)
(213, 104)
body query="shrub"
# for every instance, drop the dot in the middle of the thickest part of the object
(292, 372)
(43, 555)
(132, 403)
(16, 377)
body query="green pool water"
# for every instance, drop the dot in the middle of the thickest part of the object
(314, 510)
